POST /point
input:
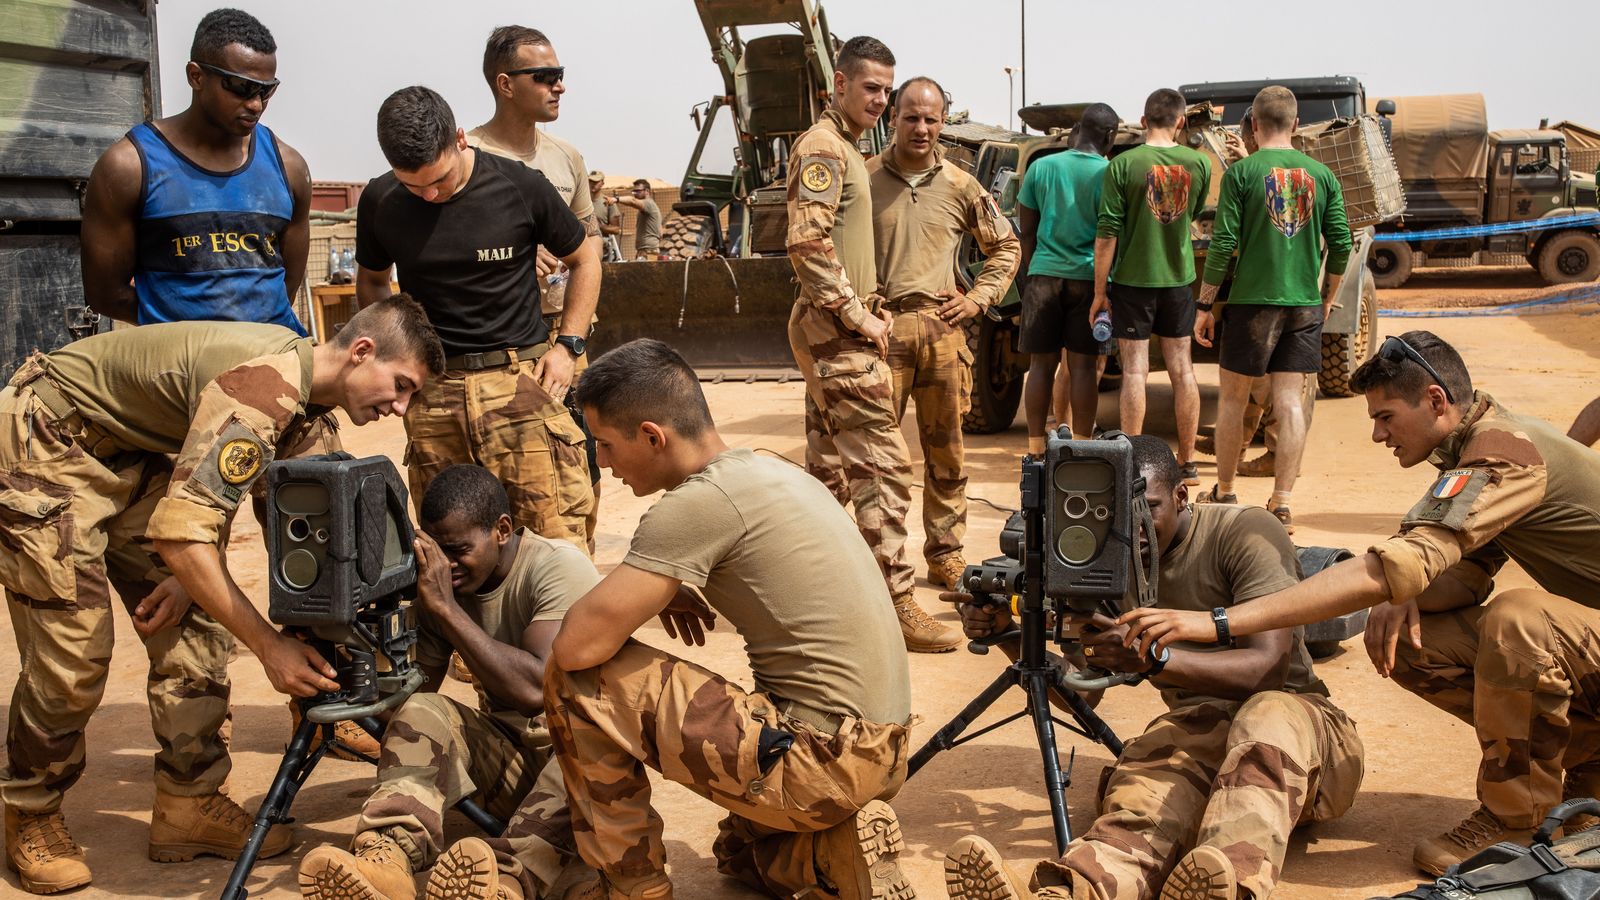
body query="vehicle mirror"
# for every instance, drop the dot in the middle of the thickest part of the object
(1385, 107)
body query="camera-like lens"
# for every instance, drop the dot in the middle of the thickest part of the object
(1076, 507)
(299, 569)
(298, 529)
(1077, 545)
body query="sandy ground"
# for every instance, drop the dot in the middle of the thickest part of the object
(1420, 763)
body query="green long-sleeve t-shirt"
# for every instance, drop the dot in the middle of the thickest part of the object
(1276, 208)
(1150, 196)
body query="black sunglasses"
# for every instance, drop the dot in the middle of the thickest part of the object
(242, 86)
(545, 75)
(1397, 350)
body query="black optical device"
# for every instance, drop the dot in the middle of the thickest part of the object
(1071, 551)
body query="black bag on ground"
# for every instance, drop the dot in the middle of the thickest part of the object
(1567, 869)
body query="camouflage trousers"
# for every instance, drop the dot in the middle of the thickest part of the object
(932, 365)
(1238, 776)
(645, 707)
(72, 529)
(1524, 671)
(503, 420)
(853, 439)
(437, 752)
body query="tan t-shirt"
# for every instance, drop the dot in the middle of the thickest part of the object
(546, 578)
(782, 562)
(562, 165)
(1231, 554)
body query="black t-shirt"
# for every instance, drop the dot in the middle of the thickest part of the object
(470, 260)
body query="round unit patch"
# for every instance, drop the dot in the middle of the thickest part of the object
(816, 177)
(239, 461)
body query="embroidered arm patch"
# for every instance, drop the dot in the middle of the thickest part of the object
(1450, 500)
(820, 180)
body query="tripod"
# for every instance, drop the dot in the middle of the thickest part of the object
(1032, 671)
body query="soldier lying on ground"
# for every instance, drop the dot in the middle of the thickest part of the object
(1524, 668)
(95, 502)
(805, 761)
(1199, 806)
(494, 593)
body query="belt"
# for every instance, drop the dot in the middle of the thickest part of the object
(92, 438)
(826, 722)
(912, 304)
(494, 359)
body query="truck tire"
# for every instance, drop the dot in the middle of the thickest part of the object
(684, 237)
(996, 376)
(1569, 256)
(1342, 354)
(1390, 262)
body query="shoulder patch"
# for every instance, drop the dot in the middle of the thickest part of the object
(817, 177)
(1450, 484)
(1449, 501)
(239, 460)
(237, 457)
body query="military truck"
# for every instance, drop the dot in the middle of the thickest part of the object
(75, 75)
(1459, 174)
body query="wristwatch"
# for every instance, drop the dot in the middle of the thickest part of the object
(1157, 663)
(1219, 616)
(1204, 307)
(574, 343)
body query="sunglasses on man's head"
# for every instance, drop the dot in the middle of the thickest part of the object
(1397, 350)
(545, 75)
(241, 86)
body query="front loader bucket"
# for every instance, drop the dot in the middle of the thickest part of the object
(735, 312)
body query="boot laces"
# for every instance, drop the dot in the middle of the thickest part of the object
(912, 611)
(382, 852)
(221, 809)
(1479, 828)
(45, 836)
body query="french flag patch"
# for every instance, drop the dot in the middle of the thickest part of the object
(1450, 484)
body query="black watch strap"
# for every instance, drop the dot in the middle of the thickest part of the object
(1204, 307)
(1158, 661)
(572, 342)
(1219, 616)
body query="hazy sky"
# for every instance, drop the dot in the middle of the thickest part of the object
(635, 67)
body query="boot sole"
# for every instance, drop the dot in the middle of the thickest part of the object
(879, 842)
(930, 648)
(466, 871)
(176, 853)
(45, 887)
(973, 871)
(329, 878)
(1203, 874)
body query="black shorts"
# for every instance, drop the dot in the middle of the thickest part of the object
(1258, 338)
(1055, 314)
(1138, 312)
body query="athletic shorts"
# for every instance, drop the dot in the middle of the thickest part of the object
(1055, 314)
(1258, 339)
(1138, 312)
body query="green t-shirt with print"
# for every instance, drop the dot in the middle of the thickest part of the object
(1150, 196)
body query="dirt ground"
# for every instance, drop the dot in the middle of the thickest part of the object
(1420, 762)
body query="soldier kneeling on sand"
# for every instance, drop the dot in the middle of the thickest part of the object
(805, 761)
(1199, 806)
(496, 594)
(95, 502)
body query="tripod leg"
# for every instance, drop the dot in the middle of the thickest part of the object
(1039, 707)
(1088, 720)
(945, 737)
(298, 761)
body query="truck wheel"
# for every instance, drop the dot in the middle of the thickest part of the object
(1390, 262)
(684, 237)
(997, 375)
(1569, 256)
(1342, 354)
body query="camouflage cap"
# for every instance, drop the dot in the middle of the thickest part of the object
(596, 175)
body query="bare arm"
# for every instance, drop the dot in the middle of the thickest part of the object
(1028, 221)
(631, 202)
(110, 231)
(295, 243)
(603, 619)
(554, 369)
(1105, 250)
(1586, 427)
(371, 285)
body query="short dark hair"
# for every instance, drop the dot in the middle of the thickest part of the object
(415, 126)
(397, 325)
(1155, 461)
(944, 98)
(500, 51)
(1100, 116)
(465, 490)
(645, 380)
(644, 183)
(1163, 107)
(1274, 109)
(222, 27)
(862, 49)
(1409, 381)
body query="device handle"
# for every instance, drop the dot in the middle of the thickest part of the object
(393, 689)
(1097, 679)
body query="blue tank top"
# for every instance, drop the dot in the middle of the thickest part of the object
(209, 242)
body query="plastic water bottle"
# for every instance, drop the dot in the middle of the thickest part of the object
(1102, 326)
(334, 265)
(556, 278)
(347, 261)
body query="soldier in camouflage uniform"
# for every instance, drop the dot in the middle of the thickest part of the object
(1201, 805)
(921, 208)
(496, 594)
(123, 458)
(803, 762)
(840, 337)
(463, 228)
(1522, 668)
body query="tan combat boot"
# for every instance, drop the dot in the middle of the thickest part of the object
(467, 871)
(348, 734)
(1476, 832)
(42, 852)
(861, 855)
(1203, 874)
(974, 870)
(1263, 466)
(946, 571)
(182, 828)
(922, 633)
(377, 869)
